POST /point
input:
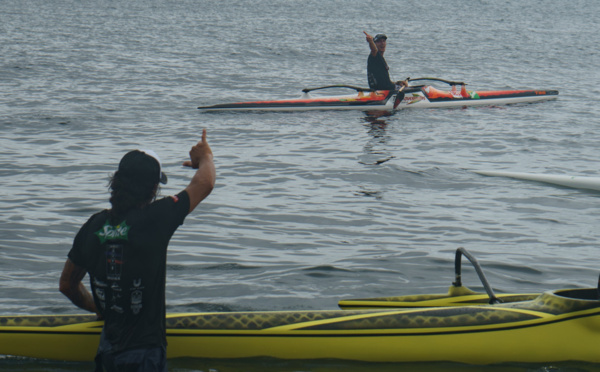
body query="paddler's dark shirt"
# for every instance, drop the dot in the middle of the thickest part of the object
(378, 74)
(126, 260)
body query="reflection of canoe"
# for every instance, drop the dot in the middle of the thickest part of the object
(578, 182)
(423, 96)
(554, 326)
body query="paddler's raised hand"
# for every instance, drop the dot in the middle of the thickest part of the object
(199, 152)
(372, 45)
(203, 181)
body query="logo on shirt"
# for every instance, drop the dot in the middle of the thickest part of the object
(109, 232)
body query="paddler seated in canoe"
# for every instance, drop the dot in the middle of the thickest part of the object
(377, 68)
(124, 250)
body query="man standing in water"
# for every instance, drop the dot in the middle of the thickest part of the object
(124, 251)
(377, 68)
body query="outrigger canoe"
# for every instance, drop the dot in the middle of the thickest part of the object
(461, 326)
(419, 96)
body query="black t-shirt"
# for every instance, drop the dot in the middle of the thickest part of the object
(378, 73)
(126, 261)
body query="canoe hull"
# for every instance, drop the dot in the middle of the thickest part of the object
(540, 344)
(429, 97)
(378, 100)
(527, 331)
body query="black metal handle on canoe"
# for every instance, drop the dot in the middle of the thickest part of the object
(436, 79)
(358, 89)
(457, 270)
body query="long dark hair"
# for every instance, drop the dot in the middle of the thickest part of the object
(129, 192)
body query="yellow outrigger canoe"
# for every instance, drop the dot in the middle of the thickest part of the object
(461, 326)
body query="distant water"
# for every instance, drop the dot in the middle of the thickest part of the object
(309, 207)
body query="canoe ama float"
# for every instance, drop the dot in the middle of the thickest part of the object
(549, 327)
(423, 96)
(578, 182)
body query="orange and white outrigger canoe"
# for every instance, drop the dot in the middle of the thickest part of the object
(364, 99)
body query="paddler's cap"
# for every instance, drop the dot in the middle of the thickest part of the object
(144, 164)
(379, 37)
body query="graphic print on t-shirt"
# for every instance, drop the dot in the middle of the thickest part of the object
(114, 260)
(110, 232)
(115, 240)
(100, 291)
(136, 296)
(113, 237)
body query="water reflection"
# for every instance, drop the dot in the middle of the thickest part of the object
(375, 150)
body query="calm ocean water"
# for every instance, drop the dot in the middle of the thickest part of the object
(311, 207)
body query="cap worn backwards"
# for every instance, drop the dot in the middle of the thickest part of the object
(144, 164)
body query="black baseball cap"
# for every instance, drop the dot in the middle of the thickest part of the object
(142, 164)
(379, 37)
